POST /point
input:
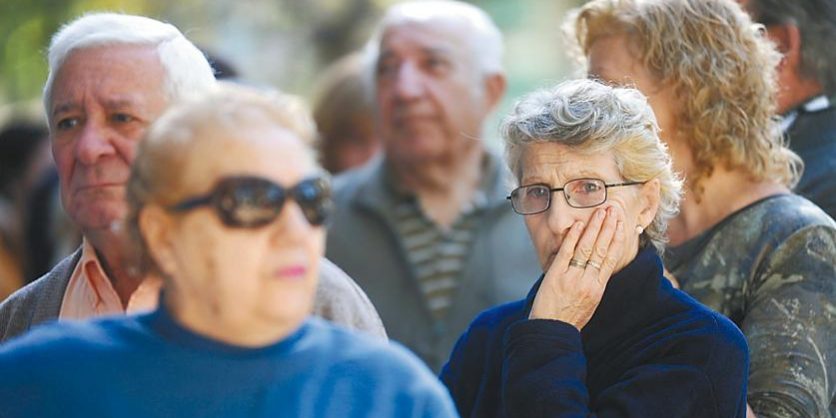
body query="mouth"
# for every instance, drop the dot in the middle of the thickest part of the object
(97, 186)
(294, 272)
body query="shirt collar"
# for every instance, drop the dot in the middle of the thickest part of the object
(815, 104)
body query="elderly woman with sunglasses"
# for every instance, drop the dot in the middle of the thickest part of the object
(229, 206)
(602, 332)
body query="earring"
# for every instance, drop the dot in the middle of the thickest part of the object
(639, 229)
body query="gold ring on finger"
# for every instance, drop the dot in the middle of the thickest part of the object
(594, 264)
(577, 263)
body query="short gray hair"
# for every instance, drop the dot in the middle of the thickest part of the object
(186, 69)
(485, 38)
(591, 118)
(816, 20)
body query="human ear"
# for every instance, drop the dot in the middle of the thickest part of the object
(495, 85)
(649, 198)
(155, 226)
(787, 39)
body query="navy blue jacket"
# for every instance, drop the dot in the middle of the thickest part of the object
(648, 351)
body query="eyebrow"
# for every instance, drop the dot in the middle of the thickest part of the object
(111, 104)
(581, 174)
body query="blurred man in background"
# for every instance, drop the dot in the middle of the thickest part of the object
(110, 77)
(804, 32)
(426, 229)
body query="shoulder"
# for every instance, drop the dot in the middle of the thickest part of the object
(500, 316)
(65, 344)
(770, 223)
(339, 299)
(38, 301)
(795, 227)
(372, 354)
(707, 334)
(483, 338)
(372, 362)
(789, 213)
(348, 184)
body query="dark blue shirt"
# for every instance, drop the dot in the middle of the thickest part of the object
(150, 366)
(648, 351)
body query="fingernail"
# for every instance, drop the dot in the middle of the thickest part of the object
(600, 214)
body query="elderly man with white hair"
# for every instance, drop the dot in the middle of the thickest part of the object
(426, 229)
(110, 76)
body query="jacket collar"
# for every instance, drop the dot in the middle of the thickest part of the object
(629, 301)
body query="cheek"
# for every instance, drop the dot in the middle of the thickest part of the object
(540, 234)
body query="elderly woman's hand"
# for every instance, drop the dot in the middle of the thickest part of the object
(574, 283)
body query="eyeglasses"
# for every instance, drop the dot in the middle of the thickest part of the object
(579, 193)
(252, 202)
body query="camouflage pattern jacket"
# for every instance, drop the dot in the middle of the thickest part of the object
(771, 268)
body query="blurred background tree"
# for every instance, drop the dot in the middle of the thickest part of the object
(281, 43)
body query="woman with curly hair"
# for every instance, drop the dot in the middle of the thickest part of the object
(742, 243)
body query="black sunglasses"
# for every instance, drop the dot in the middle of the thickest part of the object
(252, 202)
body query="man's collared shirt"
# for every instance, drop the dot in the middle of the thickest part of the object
(90, 293)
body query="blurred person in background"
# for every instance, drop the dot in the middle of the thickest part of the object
(230, 172)
(804, 32)
(344, 115)
(742, 244)
(24, 158)
(425, 228)
(110, 77)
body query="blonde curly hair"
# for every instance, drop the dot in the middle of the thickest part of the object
(721, 66)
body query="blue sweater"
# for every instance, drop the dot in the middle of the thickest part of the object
(649, 351)
(150, 366)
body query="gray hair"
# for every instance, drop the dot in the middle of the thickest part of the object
(816, 20)
(485, 39)
(186, 69)
(591, 118)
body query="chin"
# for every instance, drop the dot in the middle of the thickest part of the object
(100, 217)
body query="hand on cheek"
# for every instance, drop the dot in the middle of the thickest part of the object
(574, 283)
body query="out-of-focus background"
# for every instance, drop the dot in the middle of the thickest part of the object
(281, 43)
(285, 44)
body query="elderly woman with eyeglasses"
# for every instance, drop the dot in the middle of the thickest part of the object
(229, 205)
(602, 333)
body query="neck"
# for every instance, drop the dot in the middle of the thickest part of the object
(210, 320)
(725, 192)
(443, 187)
(799, 93)
(118, 261)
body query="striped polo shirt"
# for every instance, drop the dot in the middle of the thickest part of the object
(437, 255)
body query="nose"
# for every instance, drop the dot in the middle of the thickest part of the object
(561, 216)
(409, 83)
(93, 142)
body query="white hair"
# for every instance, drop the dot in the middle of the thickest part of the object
(186, 69)
(485, 39)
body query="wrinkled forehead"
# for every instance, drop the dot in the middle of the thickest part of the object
(545, 161)
(112, 73)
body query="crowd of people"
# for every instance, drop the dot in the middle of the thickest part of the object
(657, 240)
